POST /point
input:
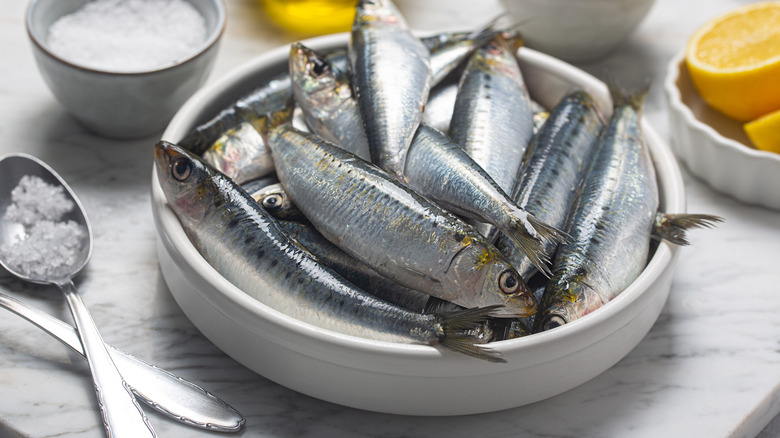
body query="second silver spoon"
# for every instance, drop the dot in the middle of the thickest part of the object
(122, 416)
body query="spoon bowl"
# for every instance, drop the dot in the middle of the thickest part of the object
(12, 168)
(67, 251)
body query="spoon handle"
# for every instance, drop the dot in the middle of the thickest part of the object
(162, 390)
(122, 416)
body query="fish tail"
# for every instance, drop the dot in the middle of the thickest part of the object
(459, 333)
(485, 33)
(534, 244)
(672, 227)
(623, 97)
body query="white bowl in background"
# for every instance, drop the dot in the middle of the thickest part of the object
(714, 147)
(577, 30)
(405, 378)
(122, 105)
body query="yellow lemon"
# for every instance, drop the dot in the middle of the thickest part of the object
(765, 132)
(734, 61)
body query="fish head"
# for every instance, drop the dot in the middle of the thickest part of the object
(275, 201)
(563, 302)
(186, 182)
(484, 277)
(310, 71)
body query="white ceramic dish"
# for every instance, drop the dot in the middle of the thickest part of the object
(714, 147)
(401, 378)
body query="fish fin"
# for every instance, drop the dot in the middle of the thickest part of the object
(622, 97)
(460, 332)
(438, 305)
(533, 246)
(465, 345)
(672, 227)
(486, 32)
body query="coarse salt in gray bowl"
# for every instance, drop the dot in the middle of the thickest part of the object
(119, 103)
(406, 378)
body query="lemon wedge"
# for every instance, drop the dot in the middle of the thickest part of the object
(764, 132)
(734, 61)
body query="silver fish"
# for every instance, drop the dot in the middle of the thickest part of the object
(556, 161)
(324, 92)
(259, 183)
(357, 272)
(381, 222)
(391, 79)
(439, 169)
(611, 221)
(275, 201)
(325, 96)
(249, 248)
(239, 150)
(441, 104)
(492, 118)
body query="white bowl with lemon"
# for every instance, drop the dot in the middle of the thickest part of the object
(723, 92)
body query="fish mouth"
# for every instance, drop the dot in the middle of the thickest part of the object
(518, 306)
(162, 150)
(165, 151)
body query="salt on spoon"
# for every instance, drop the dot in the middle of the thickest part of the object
(128, 35)
(56, 265)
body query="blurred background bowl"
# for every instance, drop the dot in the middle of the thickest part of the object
(577, 30)
(122, 105)
(405, 378)
(714, 147)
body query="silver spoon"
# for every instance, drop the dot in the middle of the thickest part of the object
(159, 389)
(122, 416)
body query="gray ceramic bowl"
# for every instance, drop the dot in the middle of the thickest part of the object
(122, 105)
(577, 30)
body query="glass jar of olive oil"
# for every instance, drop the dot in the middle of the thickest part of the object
(312, 16)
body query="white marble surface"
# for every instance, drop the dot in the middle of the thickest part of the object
(710, 367)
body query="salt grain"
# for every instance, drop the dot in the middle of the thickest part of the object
(49, 243)
(128, 35)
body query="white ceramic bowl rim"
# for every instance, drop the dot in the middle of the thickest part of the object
(212, 39)
(675, 100)
(673, 200)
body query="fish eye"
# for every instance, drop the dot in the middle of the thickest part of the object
(272, 202)
(181, 169)
(319, 67)
(553, 321)
(508, 282)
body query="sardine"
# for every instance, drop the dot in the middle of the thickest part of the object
(439, 169)
(275, 201)
(259, 183)
(555, 163)
(357, 272)
(378, 220)
(391, 79)
(233, 141)
(325, 96)
(611, 221)
(492, 118)
(324, 92)
(441, 104)
(249, 249)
